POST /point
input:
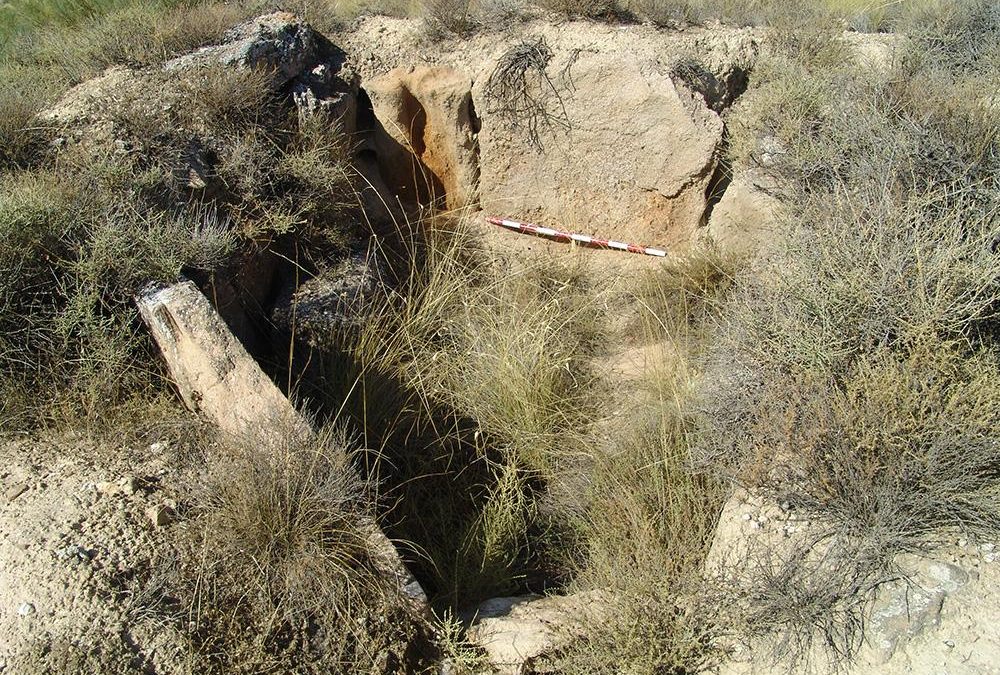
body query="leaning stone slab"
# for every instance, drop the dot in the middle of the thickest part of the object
(212, 371)
(217, 378)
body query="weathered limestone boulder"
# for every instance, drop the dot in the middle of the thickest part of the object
(937, 616)
(425, 141)
(278, 42)
(315, 69)
(518, 633)
(88, 99)
(615, 147)
(748, 215)
(317, 309)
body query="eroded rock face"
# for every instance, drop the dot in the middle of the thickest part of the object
(624, 151)
(426, 135)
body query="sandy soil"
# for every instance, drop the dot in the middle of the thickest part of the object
(80, 557)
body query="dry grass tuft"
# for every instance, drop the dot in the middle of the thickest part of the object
(852, 374)
(283, 575)
(520, 93)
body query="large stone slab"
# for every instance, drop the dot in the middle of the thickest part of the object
(616, 147)
(217, 378)
(519, 633)
(212, 371)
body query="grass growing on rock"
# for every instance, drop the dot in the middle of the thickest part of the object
(851, 374)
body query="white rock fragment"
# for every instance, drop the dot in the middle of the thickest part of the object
(159, 515)
(26, 608)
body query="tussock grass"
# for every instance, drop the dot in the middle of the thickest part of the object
(459, 18)
(282, 574)
(86, 231)
(860, 15)
(119, 34)
(649, 515)
(471, 409)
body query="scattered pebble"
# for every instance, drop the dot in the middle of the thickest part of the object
(73, 552)
(129, 485)
(159, 446)
(747, 516)
(950, 644)
(963, 542)
(106, 488)
(159, 514)
(15, 491)
(26, 608)
(987, 547)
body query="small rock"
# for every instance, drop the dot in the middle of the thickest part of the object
(26, 608)
(950, 644)
(159, 515)
(15, 491)
(963, 542)
(106, 488)
(159, 446)
(747, 516)
(987, 548)
(129, 485)
(73, 552)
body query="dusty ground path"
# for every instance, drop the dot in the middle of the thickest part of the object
(79, 554)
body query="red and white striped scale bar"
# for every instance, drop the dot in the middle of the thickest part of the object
(586, 240)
